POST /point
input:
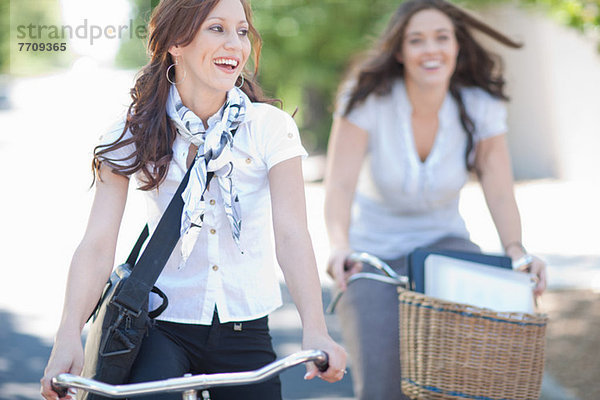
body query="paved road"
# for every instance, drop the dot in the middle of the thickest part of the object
(44, 167)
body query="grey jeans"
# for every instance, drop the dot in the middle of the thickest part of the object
(368, 315)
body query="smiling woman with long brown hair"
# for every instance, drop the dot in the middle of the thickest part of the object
(422, 109)
(194, 100)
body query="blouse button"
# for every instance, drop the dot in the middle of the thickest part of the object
(248, 160)
(215, 267)
(212, 231)
(212, 202)
(290, 135)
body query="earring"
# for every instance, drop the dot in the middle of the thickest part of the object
(171, 66)
(241, 84)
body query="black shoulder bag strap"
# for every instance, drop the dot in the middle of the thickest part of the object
(135, 252)
(136, 288)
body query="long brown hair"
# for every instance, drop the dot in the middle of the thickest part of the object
(475, 66)
(173, 22)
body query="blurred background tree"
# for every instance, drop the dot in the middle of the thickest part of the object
(584, 15)
(4, 35)
(14, 13)
(307, 48)
(132, 52)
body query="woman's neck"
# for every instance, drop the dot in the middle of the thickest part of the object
(425, 100)
(204, 103)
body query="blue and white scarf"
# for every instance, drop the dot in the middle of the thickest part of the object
(214, 155)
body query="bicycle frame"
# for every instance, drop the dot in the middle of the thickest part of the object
(189, 385)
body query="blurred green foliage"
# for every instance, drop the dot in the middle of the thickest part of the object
(307, 46)
(4, 35)
(583, 15)
(15, 59)
(132, 52)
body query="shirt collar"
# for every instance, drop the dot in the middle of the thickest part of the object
(250, 113)
(404, 106)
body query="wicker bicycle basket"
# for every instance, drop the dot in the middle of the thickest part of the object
(456, 351)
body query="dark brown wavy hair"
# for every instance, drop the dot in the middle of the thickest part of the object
(475, 66)
(173, 22)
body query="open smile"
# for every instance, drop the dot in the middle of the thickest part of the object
(227, 64)
(431, 65)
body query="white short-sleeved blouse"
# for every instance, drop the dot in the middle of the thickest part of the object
(241, 286)
(401, 202)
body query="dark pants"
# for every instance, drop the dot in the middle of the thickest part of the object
(174, 349)
(368, 314)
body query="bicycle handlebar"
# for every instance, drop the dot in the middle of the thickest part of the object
(62, 382)
(379, 264)
(388, 275)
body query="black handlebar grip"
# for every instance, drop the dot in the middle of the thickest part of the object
(323, 365)
(61, 391)
(348, 264)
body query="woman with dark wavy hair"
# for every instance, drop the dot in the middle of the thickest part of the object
(195, 100)
(422, 109)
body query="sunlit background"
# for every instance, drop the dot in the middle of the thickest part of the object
(55, 104)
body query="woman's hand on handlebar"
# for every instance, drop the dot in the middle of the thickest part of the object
(66, 357)
(538, 268)
(535, 266)
(340, 268)
(336, 353)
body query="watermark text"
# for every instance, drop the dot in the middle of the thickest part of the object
(85, 30)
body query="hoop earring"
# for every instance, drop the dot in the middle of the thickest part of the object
(241, 84)
(171, 66)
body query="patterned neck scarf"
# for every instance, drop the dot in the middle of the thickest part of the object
(214, 155)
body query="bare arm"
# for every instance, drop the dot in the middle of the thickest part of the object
(89, 271)
(346, 151)
(494, 171)
(296, 257)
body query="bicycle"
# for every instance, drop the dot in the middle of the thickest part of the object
(189, 384)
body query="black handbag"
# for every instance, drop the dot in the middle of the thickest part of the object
(121, 318)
